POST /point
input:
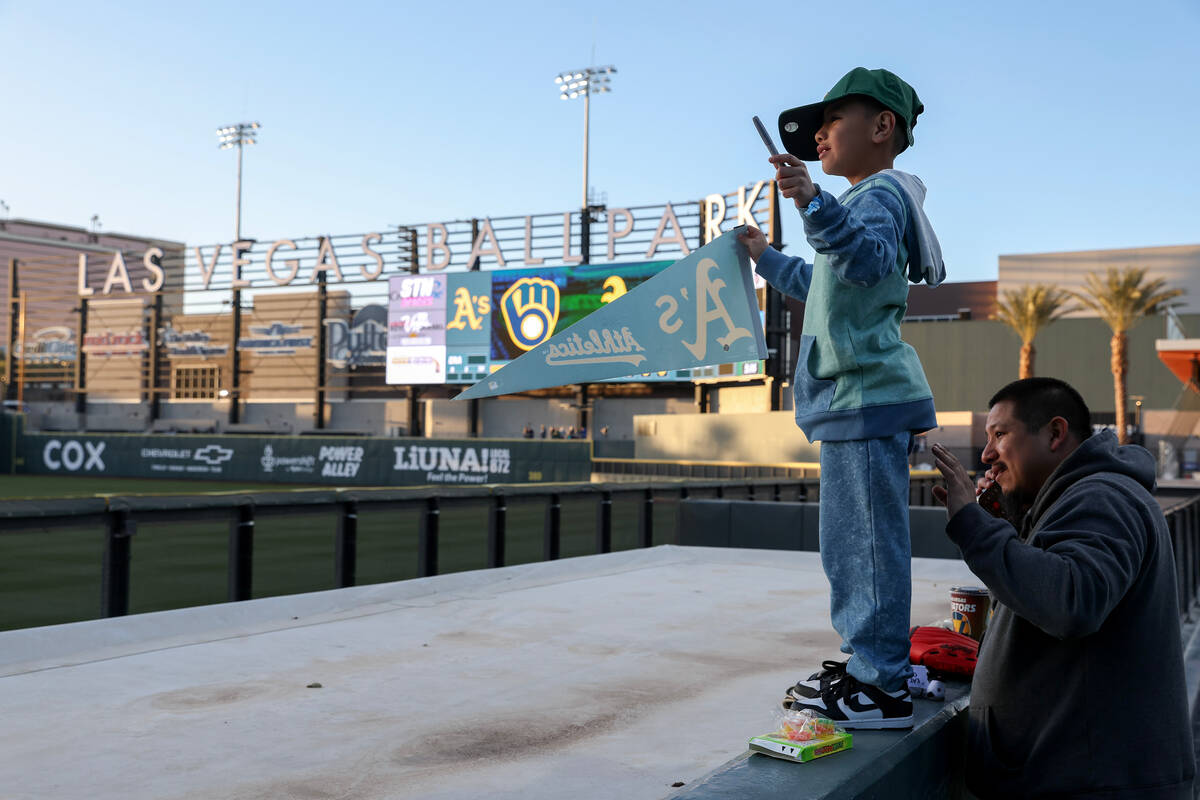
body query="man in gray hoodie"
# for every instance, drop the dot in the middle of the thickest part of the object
(1079, 690)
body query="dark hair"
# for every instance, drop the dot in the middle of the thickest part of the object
(1036, 401)
(899, 132)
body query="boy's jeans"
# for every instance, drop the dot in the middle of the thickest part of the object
(867, 554)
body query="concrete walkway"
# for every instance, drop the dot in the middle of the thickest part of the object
(596, 677)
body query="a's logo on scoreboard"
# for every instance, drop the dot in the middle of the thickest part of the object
(469, 311)
(530, 311)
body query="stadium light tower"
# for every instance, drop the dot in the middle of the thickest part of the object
(238, 135)
(584, 83)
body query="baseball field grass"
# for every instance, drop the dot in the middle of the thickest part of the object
(53, 576)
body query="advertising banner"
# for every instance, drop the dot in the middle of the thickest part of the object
(323, 461)
(700, 311)
(416, 324)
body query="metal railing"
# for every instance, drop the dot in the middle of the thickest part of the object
(1183, 520)
(119, 517)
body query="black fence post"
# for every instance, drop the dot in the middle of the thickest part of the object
(553, 530)
(427, 540)
(241, 554)
(604, 523)
(322, 345)
(235, 355)
(1177, 526)
(154, 397)
(346, 546)
(80, 359)
(14, 318)
(646, 521)
(777, 493)
(749, 491)
(497, 530)
(114, 580)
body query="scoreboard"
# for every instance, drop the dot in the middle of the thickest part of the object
(459, 327)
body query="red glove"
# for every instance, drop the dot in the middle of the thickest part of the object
(943, 651)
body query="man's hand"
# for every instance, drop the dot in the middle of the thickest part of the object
(792, 176)
(754, 240)
(985, 480)
(959, 489)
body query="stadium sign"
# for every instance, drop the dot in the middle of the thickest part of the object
(115, 343)
(361, 344)
(49, 345)
(668, 231)
(276, 339)
(183, 343)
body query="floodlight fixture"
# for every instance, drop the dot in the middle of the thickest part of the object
(584, 83)
(238, 135)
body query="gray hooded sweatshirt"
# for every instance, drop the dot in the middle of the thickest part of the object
(1079, 691)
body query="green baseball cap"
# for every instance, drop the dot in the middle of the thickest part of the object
(798, 126)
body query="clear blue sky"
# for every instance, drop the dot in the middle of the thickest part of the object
(1048, 126)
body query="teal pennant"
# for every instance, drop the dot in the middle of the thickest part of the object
(698, 312)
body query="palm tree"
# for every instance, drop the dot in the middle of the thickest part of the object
(1029, 309)
(1123, 298)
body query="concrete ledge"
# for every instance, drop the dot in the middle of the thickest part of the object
(614, 675)
(925, 763)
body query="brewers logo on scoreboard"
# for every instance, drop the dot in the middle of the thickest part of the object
(530, 311)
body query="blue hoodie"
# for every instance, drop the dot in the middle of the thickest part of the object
(855, 378)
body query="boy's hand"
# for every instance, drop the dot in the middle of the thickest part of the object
(959, 490)
(792, 176)
(754, 240)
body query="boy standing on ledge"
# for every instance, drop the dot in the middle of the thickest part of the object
(859, 389)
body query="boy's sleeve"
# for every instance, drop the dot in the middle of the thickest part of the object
(861, 239)
(792, 276)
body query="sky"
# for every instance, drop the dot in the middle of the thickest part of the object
(1048, 126)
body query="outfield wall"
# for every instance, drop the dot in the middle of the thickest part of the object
(313, 460)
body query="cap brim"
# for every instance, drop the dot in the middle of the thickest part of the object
(798, 129)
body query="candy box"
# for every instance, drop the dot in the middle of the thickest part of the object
(802, 736)
(779, 746)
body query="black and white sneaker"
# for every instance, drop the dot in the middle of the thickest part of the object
(853, 704)
(813, 685)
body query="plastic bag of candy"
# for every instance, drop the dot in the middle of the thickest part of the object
(806, 725)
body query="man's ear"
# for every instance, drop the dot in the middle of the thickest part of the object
(1059, 430)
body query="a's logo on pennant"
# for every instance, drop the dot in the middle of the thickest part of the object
(700, 311)
(530, 311)
(706, 289)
